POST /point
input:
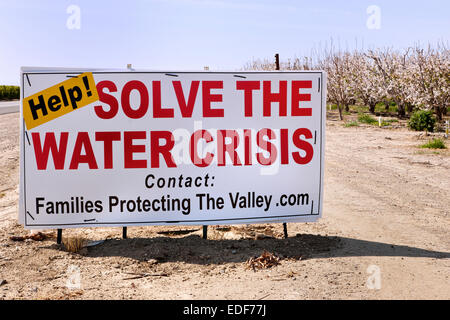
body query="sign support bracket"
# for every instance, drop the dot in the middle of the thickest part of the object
(285, 230)
(59, 236)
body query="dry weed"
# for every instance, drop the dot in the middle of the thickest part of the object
(264, 261)
(74, 244)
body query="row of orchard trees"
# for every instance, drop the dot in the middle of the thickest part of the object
(413, 78)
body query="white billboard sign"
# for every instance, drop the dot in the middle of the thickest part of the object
(129, 148)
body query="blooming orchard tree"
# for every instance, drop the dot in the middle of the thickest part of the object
(339, 79)
(431, 80)
(259, 64)
(304, 63)
(412, 78)
(395, 69)
(367, 81)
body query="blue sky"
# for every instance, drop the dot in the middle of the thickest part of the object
(191, 34)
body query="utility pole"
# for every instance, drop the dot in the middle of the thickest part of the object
(125, 229)
(277, 67)
(205, 228)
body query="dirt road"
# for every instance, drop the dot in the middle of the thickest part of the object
(384, 235)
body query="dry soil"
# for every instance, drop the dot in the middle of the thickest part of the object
(384, 235)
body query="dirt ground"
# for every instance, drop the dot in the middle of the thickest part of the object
(384, 235)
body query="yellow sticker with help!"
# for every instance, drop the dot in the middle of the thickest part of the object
(59, 100)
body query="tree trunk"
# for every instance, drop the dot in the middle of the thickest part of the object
(401, 110)
(438, 111)
(372, 107)
(347, 108)
(386, 106)
(340, 112)
(409, 107)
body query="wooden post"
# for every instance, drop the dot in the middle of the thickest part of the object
(446, 128)
(124, 232)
